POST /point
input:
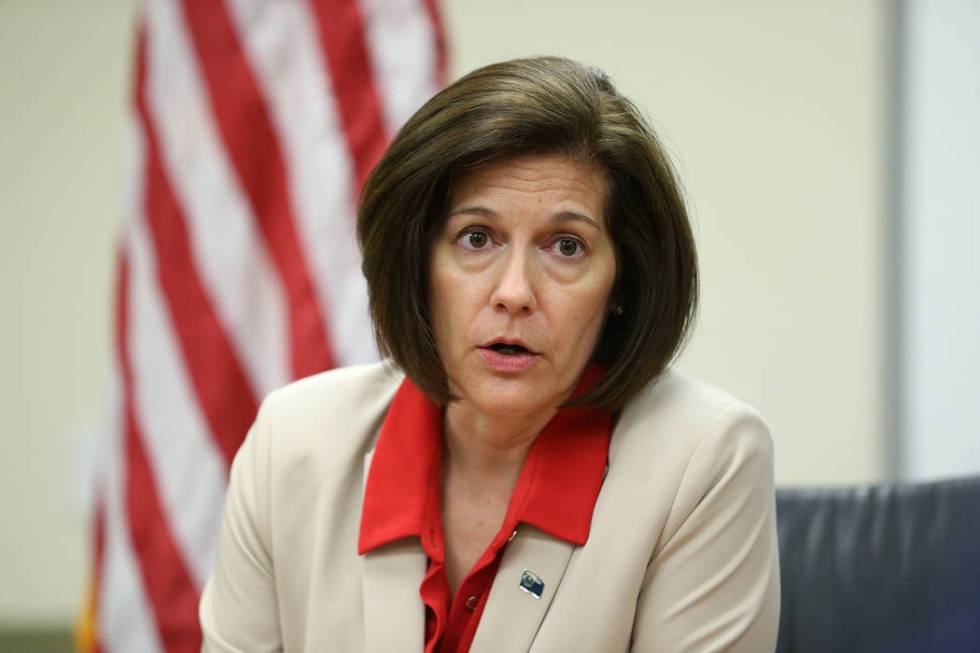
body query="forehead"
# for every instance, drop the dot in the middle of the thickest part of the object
(554, 181)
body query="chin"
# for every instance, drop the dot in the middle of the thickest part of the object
(502, 396)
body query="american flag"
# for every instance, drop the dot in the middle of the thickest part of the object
(253, 124)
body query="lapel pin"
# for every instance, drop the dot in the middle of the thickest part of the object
(532, 584)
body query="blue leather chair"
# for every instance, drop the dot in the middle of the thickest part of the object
(881, 569)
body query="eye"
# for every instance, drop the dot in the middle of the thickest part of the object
(474, 239)
(569, 247)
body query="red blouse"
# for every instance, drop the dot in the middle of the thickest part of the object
(556, 493)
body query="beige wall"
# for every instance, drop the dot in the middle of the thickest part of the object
(62, 73)
(773, 111)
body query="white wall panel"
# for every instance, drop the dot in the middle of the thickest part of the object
(940, 240)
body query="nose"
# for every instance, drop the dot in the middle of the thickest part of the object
(514, 291)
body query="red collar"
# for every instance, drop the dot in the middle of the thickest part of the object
(562, 474)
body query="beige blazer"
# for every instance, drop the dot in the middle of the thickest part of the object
(681, 556)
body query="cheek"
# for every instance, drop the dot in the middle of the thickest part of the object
(576, 323)
(444, 324)
(437, 291)
(449, 296)
(593, 320)
(587, 314)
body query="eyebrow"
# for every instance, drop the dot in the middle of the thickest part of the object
(560, 217)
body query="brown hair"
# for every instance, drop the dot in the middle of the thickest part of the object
(528, 106)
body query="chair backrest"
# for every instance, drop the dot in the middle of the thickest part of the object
(881, 569)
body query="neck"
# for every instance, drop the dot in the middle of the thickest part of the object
(488, 447)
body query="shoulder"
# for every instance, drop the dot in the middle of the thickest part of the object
(678, 414)
(682, 439)
(327, 396)
(331, 416)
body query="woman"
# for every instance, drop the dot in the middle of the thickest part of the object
(526, 473)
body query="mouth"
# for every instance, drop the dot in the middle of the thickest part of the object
(508, 356)
(510, 348)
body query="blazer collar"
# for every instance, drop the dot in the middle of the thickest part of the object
(560, 480)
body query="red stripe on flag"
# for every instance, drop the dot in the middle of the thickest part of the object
(341, 29)
(252, 145)
(170, 589)
(439, 32)
(219, 380)
(95, 635)
(99, 566)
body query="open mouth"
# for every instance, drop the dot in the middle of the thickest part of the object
(510, 350)
(508, 357)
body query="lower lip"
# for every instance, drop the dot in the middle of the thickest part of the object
(499, 361)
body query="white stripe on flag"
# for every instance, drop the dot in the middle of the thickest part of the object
(229, 252)
(300, 101)
(403, 50)
(125, 620)
(189, 468)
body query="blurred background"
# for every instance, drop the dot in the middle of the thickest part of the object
(830, 153)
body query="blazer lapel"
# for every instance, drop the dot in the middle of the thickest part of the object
(394, 614)
(512, 615)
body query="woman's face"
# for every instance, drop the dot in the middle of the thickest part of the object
(520, 282)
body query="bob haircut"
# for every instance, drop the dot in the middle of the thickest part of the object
(541, 105)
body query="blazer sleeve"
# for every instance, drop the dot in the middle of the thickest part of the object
(713, 582)
(238, 609)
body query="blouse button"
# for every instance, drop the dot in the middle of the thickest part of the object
(471, 603)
